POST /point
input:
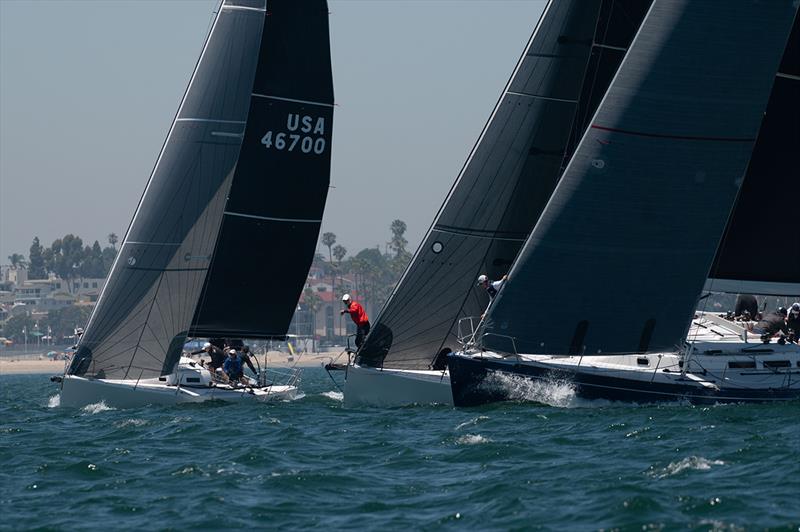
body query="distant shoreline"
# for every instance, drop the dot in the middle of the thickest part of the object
(31, 364)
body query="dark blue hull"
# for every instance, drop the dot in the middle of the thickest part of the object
(472, 385)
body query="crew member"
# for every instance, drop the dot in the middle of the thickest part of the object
(746, 303)
(233, 366)
(771, 324)
(492, 287)
(216, 354)
(243, 350)
(359, 317)
(793, 322)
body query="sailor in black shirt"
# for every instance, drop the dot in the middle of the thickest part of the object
(746, 303)
(793, 322)
(772, 323)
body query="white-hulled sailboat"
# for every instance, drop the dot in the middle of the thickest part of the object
(199, 259)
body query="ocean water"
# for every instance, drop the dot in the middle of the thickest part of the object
(548, 462)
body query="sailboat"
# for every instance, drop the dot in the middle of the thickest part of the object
(216, 225)
(626, 243)
(494, 203)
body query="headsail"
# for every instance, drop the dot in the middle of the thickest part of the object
(623, 247)
(274, 209)
(497, 197)
(760, 250)
(142, 318)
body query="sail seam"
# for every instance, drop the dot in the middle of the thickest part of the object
(293, 100)
(245, 8)
(214, 120)
(674, 137)
(609, 47)
(539, 97)
(272, 219)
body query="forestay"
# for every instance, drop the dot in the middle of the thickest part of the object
(496, 198)
(140, 323)
(626, 241)
(760, 251)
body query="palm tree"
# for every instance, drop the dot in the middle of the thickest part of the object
(328, 240)
(312, 302)
(17, 260)
(113, 239)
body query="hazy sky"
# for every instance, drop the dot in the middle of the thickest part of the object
(88, 90)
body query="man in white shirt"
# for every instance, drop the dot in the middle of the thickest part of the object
(492, 287)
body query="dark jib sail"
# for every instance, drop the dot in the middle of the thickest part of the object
(497, 197)
(274, 210)
(623, 247)
(141, 320)
(760, 251)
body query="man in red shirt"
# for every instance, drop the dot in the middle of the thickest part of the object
(359, 317)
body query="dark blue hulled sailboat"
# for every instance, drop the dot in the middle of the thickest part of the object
(252, 131)
(605, 287)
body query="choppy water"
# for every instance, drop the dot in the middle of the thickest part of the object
(311, 463)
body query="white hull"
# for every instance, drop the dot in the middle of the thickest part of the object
(189, 383)
(395, 387)
(79, 392)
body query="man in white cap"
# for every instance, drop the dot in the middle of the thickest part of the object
(359, 317)
(492, 287)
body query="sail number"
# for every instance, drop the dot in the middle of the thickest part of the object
(304, 134)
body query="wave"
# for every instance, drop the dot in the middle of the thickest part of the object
(474, 421)
(54, 401)
(472, 439)
(693, 463)
(333, 395)
(96, 408)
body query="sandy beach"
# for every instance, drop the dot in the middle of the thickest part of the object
(40, 363)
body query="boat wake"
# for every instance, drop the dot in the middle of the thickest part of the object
(54, 401)
(333, 395)
(696, 463)
(558, 393)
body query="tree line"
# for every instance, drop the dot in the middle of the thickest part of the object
(68, 258)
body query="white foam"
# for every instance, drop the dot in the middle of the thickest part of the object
(473, 421)
(96, 408)
(559, 393)
(695, 463)
(334, 395)
(54, 401)
(132, 423)
(472, 439)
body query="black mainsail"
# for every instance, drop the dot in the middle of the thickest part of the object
(760, 250)
(143, 316)
(623, 247)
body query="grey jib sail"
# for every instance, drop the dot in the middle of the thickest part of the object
(624, 245)
(141, 320)
(497, 197)
(760, 250)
